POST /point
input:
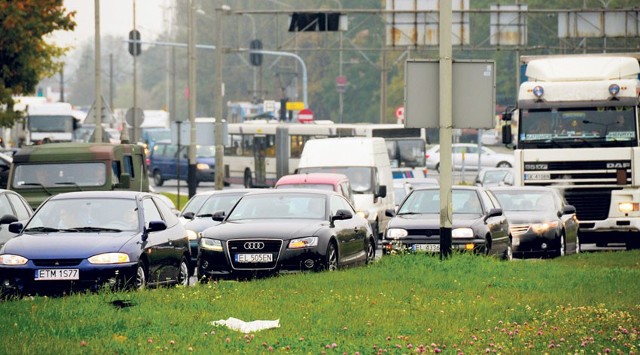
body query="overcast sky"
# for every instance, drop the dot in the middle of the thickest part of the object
(116, 18)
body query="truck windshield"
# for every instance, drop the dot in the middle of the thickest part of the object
(50, 123)
(33, 176)
(406, 152)
(578, 127)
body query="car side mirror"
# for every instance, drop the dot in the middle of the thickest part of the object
(156, 226)
(189, 215)
(382, 191)
(125, 181)
(218, 216)
(341, 215)
(494, 212)
(390, 212)
(16, 227)
(568, 209)
(8, 219)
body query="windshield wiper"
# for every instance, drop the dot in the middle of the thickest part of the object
(42, 229)
(407, 213)
(205, 215)
(92, 229)
(37, 184)
(69, 183)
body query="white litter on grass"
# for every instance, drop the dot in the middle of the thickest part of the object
(247, 327)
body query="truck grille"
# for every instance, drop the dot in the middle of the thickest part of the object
(590, 204)
(599, 172)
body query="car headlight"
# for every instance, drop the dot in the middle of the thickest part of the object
(462, 233)
(109, 258)
(202, 166)
(192, 235)
(396, 233)
(9, 259)
(210, 244)
(363, 214)
(626, 207)
(303, 242)
(543, 227)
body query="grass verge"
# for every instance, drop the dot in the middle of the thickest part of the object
(586, 303)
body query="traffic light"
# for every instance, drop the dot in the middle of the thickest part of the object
(134, 48)
(256, 58)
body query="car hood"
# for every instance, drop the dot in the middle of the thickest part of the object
(431, 221)
(273, 229)
(525, 217)
(200, 224)
(66, 245)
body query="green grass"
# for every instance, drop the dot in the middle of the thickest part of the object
(401, 304)
(174, 197)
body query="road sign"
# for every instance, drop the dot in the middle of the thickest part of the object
(295, 105)
(305, 115)
(400, 113)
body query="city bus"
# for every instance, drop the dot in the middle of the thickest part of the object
(258, 152)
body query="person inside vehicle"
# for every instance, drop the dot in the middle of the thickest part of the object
(68, 219)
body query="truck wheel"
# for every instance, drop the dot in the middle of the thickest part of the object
(248, 182)
(503, 164)
(158, 180)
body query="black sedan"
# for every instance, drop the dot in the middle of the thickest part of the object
(277, 231)
(541, 221)
(89, 240)
(196, 214)
(478, 223)
(13, 208)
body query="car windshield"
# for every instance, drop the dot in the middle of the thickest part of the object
(218, 202)
(86, 214)
(494, 176)
(428, 202)
(361, 178)
(280, 206)
(519, 200)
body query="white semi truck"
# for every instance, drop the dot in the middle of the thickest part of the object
(50, 122)
(576, 128)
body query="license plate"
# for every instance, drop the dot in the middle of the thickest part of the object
(537, 176)
(57, 274)
(254, 258)
(426, 247)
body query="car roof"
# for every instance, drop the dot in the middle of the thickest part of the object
(102, 194)
(312, 178)
(520, 188)
(225, 192)
(292, 191)
(454, 187)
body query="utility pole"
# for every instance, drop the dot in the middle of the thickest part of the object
(219, 169)
(98, 86)
(191, 49)
(136, 124)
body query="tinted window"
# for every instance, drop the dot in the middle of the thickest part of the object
(151, 212)
(170, 218)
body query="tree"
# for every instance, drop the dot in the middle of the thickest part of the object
(25, 56)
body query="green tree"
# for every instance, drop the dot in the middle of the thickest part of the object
(25, 56)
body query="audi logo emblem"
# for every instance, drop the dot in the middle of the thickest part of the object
(253, 245)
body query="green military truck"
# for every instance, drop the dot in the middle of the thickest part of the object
(40, 171)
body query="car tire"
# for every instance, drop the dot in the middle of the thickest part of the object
(140, 278)
(371, 251)
(183, 273)
(376, 230)
(508, 253)
(503, 164)
(248, 181)
(331, 257)
(561, 246)
(158, 180)
(438, 168)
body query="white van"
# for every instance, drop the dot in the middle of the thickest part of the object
(366, 162)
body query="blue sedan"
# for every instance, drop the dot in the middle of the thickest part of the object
(89, 240)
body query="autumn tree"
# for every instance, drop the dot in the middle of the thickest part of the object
(25, 56)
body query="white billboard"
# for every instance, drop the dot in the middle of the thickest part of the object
(509, 25)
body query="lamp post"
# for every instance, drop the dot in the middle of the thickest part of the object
(219, 158)
(191, 49)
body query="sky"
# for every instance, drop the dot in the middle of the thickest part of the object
(116, 18)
